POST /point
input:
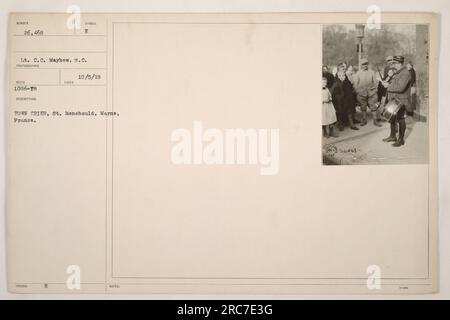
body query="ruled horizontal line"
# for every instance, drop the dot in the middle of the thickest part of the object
(63, 85)
(60, 35)
(20, 51)
(56, 68)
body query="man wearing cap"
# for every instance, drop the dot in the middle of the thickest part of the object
(398, 89)
(389, 62)
(387, 76)
(366, 87)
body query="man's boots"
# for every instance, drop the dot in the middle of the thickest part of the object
(401, 133)
(375, 119)
(364, 121)
(392, 136)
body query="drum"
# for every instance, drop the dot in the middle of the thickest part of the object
(390, 109)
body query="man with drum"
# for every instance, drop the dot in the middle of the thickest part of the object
(398, 100)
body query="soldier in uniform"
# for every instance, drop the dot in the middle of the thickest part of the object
(398, 89)
(386, 76)
(366, 87)
(389, 62)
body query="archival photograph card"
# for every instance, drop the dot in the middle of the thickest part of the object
(269, 153)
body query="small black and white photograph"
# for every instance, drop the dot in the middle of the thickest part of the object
(375, 94)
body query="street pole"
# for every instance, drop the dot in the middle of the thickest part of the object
(360, 35)
(359, 52)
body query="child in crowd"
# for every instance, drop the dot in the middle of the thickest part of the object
(328, 111)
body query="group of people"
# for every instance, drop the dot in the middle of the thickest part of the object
(344, 89)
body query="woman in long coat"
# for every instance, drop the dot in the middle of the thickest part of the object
(344, 99)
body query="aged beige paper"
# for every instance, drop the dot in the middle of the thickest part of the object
(188, 153)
